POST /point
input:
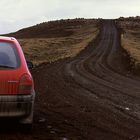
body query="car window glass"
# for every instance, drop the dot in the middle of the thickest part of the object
(8, 56)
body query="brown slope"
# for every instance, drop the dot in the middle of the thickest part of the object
(59, 28)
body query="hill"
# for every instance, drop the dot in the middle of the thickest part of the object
(51, 29)
(54, 40)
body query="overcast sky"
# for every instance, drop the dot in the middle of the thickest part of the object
(16, 14)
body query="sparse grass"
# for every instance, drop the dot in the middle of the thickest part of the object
(40, 50)
(131, 43)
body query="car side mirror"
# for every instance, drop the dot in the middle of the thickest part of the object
(30, 64)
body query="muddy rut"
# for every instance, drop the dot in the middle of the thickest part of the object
(101, 75)
(94, 95)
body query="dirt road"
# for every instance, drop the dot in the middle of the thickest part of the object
(90, 97)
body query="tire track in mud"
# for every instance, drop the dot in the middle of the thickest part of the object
(91, 96)
(96, 73)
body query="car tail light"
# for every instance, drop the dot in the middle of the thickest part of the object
(25, 84)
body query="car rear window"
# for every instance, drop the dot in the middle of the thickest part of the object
(8, 56)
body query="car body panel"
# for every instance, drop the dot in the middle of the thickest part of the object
(12, 102)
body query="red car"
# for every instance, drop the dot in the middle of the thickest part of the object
(17, 93)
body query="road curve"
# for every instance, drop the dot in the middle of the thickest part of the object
(102, 76)
(92, 96)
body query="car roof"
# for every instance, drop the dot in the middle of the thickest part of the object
(7, 38)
